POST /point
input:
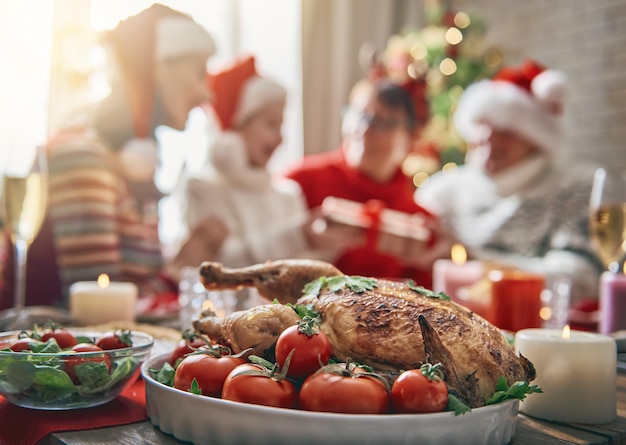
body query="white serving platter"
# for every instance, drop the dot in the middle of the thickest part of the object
(205, 420)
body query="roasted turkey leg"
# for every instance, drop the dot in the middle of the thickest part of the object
(282, 280)
(257, 328)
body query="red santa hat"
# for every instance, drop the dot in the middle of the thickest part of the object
(528, 100)
(239, 92)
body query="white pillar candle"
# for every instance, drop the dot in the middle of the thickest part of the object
(577, 372)
(99, 302)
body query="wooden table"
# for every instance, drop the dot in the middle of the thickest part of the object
(529, 431)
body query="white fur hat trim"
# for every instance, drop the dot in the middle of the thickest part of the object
(178, 36)
(229, 157)
(507, 106)
(257, 93)
(139, 159)
(549, 87)
(228, 153)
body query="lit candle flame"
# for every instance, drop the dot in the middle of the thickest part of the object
(458, 254)
(103, 281)
(565, 333)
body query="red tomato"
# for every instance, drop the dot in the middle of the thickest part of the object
(209, 372)
(355, 393)
(309, 351)
(115, 341)
(23, 344)
(414, 392)
(64, 339)
(72, 362)
(260, 389)
(184, 347)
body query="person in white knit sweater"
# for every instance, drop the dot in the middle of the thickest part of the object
(235, 211)
(518, 201)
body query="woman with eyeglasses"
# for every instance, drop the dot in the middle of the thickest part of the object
(378, 132)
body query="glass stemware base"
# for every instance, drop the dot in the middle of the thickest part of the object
(26, 317)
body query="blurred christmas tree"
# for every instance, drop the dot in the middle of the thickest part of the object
(446, 55)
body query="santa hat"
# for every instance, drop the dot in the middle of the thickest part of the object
(527, 100)
(137, 44)
(239, 92)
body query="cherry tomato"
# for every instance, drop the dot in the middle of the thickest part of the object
(185, 346)
(353, 392)
(72, 362)
(114, 340)
(414, 392)
(309, 351)
(208, 370)
(86, 347)
(259, 388)
(23, 344)
(64, 339)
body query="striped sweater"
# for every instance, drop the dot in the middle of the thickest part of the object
(95, 224)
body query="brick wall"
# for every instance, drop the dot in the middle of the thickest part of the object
(587, 40)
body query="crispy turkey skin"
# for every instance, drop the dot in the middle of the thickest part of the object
(380, 327)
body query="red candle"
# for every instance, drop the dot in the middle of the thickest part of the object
(612, 302)
(515, 299)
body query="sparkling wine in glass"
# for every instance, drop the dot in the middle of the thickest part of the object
(24, 201)
(608, 216)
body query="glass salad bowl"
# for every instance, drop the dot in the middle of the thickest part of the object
(43, 373)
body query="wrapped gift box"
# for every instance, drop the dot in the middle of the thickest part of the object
(372, 215)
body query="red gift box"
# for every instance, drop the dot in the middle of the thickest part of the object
(382, 224)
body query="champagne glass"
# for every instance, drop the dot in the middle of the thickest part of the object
(24, 200)
(608, 216)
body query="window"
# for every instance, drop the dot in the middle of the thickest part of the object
(24, 79)
(54, 69)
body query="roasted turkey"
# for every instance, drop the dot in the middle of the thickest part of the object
(390, 325)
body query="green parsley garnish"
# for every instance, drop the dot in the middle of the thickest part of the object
(355, 283)
(164, 375)
(455, 404)
(304, 310)
(427, 292)
(518, 390)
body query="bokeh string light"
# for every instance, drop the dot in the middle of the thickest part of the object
(449, 53)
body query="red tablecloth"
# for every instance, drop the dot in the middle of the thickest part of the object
(23, 426)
